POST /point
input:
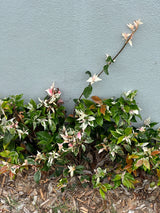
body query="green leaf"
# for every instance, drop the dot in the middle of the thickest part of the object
(75, 100)
(128, 183)
(129, 176)
(88, 73)
(158, 184)
(83, 147)
(18, 97)
(117, 184)
(33, 103)
(102, 193)
(117, 119)
(107, 117)
(43, 135)
(105, 69)
(37, 176)
(152, 184)
(6, 106)
(117, 177)
(128, 130)
(19, 149)
(99, 121)
(30, 161)
(79, 167)
(127, 108)
(107, 186)
(88, 103)
(153, 124)
(127, 147)
(120, 139)
(13, 157)
(5, 153)
(87, 91)
(52, 126)
(115, 134)
(109, 59)
(7, 139)
(120, 151)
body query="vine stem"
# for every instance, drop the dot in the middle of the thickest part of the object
(126, 42)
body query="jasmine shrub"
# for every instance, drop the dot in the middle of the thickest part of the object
(99, 143)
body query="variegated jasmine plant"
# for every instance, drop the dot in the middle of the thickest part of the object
(99, 143)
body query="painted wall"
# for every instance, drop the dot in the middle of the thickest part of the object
(42, 41)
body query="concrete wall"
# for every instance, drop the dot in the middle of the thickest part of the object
(42, 41)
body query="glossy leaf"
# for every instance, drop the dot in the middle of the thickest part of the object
(87, 91)
(105, 69)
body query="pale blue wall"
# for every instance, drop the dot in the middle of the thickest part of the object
(58, 40)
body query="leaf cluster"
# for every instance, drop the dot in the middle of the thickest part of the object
(103, 135)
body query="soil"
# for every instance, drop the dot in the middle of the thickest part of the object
(24, 195)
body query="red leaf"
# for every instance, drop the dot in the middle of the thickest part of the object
(3, 169)
(70, 115)
(155, 152)
(128, 168)
(96, 99)
(129, 161)
(11, 175)
(103, 109)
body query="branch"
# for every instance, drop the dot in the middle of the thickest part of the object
(128, 38)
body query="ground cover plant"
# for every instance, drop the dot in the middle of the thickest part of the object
(100, 143)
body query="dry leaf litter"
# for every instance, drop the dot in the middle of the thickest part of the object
(24, 195)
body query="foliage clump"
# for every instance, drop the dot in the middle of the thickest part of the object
(100, 143)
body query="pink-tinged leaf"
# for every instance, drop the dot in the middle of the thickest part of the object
(146, 163)
(50, 91)
(79, 136)
(60, 101)
(139, 163)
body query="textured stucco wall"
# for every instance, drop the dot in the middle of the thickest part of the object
(58, 40)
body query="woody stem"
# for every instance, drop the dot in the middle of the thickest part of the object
(126, 42)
